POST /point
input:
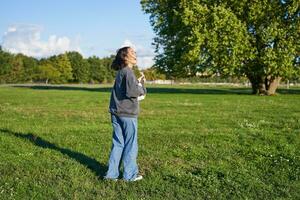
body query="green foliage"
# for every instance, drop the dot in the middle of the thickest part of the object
(17, 69)
(152, 74)
(5, 66)
(63, 68)
(110, 73)
(47, 72)
(30, 68)
(55, 143)
(80, 67)
(98, 72)
(257, 39)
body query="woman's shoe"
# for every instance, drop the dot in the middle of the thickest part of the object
(138, 178)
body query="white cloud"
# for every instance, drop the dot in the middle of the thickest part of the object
(145, 62)
(12, 29)
(26, 39)
(145, 55)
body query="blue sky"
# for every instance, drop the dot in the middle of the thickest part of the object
(41, 28)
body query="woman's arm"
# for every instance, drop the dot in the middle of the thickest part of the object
(133, 88)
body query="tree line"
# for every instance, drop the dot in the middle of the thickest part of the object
(69, 67)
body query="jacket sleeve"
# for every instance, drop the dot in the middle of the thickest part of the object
(133, 89)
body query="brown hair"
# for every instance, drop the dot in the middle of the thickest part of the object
(120, 60)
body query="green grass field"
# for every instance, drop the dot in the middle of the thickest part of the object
(195, 142)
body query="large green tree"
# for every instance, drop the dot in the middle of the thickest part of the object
(257, 39)
(62, 63)
(80, 67)
(106, 62)
(100, 71)
(47, 72)
(17, 72)
(30, 68)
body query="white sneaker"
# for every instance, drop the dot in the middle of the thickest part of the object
(138, 178)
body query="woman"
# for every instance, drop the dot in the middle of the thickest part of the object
(124, 109)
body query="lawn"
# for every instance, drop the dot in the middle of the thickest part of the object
(195, 142)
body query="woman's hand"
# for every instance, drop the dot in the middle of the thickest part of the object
(142, 79)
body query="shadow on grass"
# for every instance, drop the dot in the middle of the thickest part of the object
(92, 164)
(57, 87)
(288, 91)
(152, 90)
(162, 90)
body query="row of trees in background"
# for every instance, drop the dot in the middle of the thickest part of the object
(69, 67)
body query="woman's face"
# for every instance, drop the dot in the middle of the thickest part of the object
(131, 57)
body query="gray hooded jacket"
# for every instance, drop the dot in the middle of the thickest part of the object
(123, 99)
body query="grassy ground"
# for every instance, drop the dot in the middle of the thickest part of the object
(194, 143)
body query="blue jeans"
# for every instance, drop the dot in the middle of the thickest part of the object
(124, 147)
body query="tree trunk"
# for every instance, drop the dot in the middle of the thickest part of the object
(273, 85)
(264, 85)
(257, 84)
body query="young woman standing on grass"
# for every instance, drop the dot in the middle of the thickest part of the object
(124, 109)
